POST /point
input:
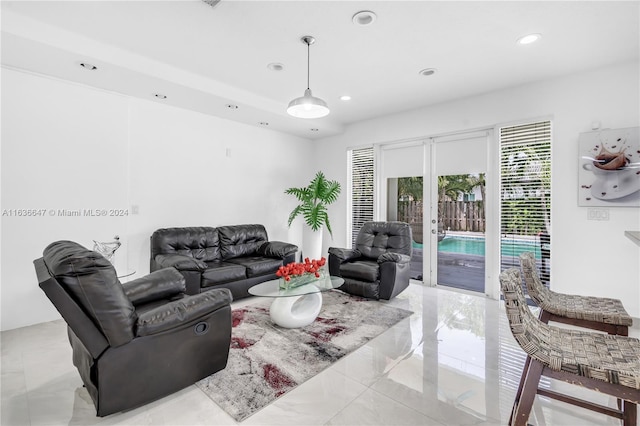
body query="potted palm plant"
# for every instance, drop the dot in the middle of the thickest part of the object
(314, 200)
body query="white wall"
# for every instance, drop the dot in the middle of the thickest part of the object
(66, 146)
(181, 175)
(589, 257)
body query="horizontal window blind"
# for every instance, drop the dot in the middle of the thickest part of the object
(361, 189)
(525, 193)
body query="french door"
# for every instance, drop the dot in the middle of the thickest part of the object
(439, 186)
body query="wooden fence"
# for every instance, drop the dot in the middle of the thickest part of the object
(454, 215)
(462, 215)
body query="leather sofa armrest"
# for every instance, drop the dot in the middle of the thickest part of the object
(180, 262)
(161, 284)
(277, 249)
(394, 257)
(344, 254)
(171, 315)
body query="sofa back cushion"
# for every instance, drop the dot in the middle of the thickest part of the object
(91, 281)
(241, 240)
(199, 242)
(376, 238)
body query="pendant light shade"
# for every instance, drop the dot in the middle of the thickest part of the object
(308, 106)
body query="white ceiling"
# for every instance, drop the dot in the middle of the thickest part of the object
(203, 58)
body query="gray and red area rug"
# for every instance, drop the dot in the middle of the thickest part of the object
(266, 361)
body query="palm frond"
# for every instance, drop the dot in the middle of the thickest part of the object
(327, 224)
(294, 214)
(331, 192)
(302, 194)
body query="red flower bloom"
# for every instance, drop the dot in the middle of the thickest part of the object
(308, 267)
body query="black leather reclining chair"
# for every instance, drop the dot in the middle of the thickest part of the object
(379, 266)
(138, 341)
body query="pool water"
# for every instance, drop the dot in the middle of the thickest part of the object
(475, 246)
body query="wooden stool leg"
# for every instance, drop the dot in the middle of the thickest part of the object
(622, 331)
(523, 377)
(523, 406)
(629, 414)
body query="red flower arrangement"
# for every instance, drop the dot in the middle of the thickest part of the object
(298, 268)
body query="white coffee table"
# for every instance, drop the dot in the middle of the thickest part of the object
(296, 307)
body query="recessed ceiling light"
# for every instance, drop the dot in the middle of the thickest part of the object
(275, 66)
(529, 38)
(427, 71)
(345, 98)
(87, 66)
(160, 96)
(364, 17)
(232, 106)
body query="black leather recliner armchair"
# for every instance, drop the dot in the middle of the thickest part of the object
(138, 341)
(379, 266)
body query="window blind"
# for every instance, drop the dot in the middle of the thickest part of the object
(362, 180)
(525, 194)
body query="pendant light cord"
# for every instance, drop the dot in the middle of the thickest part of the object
(308, 63)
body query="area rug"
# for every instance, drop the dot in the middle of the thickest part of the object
(266, 361)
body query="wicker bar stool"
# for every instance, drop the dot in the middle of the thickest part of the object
(605, 363)
(597, 313)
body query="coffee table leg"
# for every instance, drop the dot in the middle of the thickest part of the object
(296, 311)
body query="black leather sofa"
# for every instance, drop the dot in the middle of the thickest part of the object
(138, 341)
(379, 267)
(234, 257)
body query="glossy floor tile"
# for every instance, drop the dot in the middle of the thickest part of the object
(453, 362)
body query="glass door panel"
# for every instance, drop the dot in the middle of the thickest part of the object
(458, 200)
(461, 225)
(401, 173)
(405, 203)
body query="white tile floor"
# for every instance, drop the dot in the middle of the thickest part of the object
(453, 362)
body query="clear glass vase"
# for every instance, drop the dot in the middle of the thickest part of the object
(297, 280)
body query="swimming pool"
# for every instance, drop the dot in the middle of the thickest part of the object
(475, 246)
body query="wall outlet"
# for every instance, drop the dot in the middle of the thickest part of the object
(598, 214)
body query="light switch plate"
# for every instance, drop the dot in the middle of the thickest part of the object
(598, 214)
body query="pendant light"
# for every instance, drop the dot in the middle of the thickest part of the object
(308, 106)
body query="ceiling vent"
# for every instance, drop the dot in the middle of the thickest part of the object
(211, 3)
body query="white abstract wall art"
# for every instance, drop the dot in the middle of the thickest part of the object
(609, 168)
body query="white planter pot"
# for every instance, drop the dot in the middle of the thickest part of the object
(311, 243)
